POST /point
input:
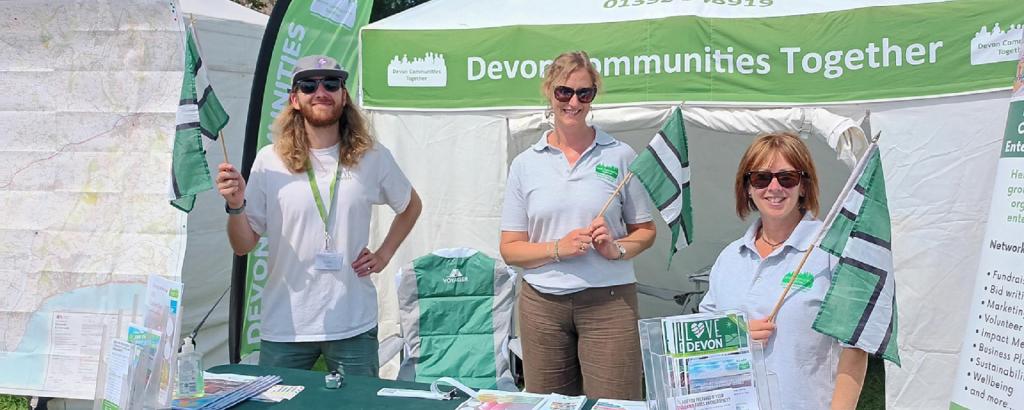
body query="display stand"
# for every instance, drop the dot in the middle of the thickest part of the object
(704, 362)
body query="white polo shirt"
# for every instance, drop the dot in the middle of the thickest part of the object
(547, 198)
(301, 304)
(803, 359)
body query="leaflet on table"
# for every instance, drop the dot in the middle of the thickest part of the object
(710, 354)
(609, 404)
(143, 374)
(221, 390)
(219, 384)
(163, 313)
(488, 399)
(120, 361)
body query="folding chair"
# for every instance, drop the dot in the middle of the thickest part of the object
(455, 308)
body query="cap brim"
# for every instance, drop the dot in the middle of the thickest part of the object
(321, 72)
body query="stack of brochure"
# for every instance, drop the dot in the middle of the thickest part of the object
(223, 392)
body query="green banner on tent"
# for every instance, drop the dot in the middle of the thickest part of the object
(865, 54)
(308, 27)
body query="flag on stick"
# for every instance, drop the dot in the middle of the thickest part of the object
(860, 307)
(200, 118)
(664, 170)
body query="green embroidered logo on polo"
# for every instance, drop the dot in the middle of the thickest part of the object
(805, 280)
(607, 172)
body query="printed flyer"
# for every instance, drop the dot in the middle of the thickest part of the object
(711, 361)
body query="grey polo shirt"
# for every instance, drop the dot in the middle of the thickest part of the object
(547, 198)
(803, 360)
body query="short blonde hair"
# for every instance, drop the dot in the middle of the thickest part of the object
(760, 154)
(563, 66)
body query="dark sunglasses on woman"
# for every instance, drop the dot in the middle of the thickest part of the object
(308, 86)
(788, 179)
(585, 94)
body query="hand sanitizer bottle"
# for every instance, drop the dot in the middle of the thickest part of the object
(190, 370)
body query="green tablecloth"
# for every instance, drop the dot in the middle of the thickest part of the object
(357, 392)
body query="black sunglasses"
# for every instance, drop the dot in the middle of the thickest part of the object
(585, 94)
(308, 86)
(788, 179)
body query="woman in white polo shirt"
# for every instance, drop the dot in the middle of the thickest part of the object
(776, 178)
(578, 304)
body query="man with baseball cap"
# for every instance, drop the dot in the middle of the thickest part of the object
(310, 195)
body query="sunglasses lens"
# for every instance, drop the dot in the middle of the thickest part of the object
(332, 84)
(586, 95)
(760, 179)
(307, 86)
(788, 179)
(563, 93)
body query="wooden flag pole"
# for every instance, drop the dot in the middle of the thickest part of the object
(629, 174)
(224, 147)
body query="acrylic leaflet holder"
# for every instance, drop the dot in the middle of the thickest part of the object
(704, 362)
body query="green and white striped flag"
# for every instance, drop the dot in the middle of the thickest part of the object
(664, 170)
(860, 307)
(200, 118)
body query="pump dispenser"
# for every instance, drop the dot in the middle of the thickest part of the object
(190, 370)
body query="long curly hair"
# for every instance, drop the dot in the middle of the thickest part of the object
(292, 143)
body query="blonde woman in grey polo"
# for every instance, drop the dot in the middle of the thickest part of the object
(578, 306)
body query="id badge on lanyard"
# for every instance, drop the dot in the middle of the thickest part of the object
(327, 259)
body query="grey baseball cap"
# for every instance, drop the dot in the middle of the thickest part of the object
(318, 66)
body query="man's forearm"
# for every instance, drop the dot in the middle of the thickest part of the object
(400, 228)
(240, 234)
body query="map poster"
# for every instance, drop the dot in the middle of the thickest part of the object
(88, 126)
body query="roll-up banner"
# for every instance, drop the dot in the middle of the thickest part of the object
(296, 28)
(991, 370)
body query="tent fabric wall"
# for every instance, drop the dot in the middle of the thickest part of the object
(939, 157)
(229, 37)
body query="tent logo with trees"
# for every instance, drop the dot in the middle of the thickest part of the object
(428, 71)
(996, 46)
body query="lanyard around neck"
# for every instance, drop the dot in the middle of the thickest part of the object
(325, 214)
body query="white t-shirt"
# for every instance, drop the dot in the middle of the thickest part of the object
(301, 304)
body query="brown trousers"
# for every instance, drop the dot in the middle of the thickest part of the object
(581, 343)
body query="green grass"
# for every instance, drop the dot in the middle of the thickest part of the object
(13, 402)
(872, 396)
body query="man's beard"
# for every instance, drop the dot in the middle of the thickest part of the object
(319, 117)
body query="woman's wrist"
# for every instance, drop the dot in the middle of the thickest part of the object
(554, 252)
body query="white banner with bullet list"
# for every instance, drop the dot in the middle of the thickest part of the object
(991, 369)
